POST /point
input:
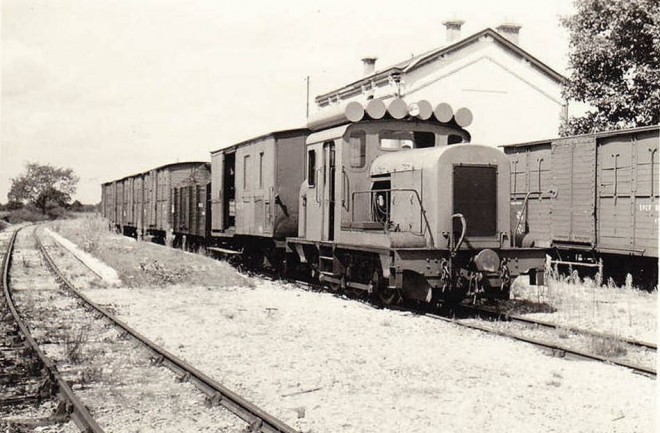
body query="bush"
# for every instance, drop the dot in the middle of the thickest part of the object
(3, 225)
(26, 214)
(31, 214)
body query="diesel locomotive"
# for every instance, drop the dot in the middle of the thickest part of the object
(387, 199)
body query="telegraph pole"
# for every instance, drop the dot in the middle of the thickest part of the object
(307, 79)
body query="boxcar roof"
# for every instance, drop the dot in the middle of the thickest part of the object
(170, 165)
(274, 134)
(602, 134)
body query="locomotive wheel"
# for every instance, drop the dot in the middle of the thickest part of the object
(386, 295)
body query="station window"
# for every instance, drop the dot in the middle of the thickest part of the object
(311, 168)
(358, 143)
(261, 169)
(246, 168)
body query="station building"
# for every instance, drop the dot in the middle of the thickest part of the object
(514, 96)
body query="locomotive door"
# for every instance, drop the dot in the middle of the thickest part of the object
(313, 204)
(329, 191)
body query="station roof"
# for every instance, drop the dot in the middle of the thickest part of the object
(432, 55)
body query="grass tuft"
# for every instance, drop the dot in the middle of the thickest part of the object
(74, 344)
(608, 347)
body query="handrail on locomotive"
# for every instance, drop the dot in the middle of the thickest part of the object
(385, 210)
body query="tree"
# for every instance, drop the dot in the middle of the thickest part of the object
(43, 186)
(614, 62)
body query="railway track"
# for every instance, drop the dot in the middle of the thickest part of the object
(217, 395)
(558, 349)
(476, 312)
(542, 323)
(53, 382)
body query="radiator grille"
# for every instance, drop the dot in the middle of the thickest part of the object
(475, 196)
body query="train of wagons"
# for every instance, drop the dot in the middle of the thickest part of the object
(386, 199)
(592, 200)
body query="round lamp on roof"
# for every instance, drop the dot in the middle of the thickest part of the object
(443, 112)
(398, 109)
(354, 111)
(424, 109)
(463, 117)
(376, 109)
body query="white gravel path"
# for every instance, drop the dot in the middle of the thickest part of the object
(108, 274)
(325, 364)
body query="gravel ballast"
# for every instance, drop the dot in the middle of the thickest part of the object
(326, 364)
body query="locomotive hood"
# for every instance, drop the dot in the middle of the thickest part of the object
(429, 185)
(420, 159)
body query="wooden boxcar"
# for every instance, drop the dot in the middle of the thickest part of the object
(191, 218)
(255, 188)
(141, 205)
(109, 205)
(119, 204)
(590, 197)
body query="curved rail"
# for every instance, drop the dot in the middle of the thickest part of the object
(257, 418)
(75, 408)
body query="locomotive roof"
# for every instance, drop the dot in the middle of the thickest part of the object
(274, 134)
(603, 134)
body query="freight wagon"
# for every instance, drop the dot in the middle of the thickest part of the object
(190, 208)
(590, 198)
(141, 205)
(254, 194)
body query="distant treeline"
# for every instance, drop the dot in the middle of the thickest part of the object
(76, 206)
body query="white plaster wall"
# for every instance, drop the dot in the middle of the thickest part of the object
(511, 100)
(505, 108)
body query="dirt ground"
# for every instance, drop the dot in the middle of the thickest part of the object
(326, 364)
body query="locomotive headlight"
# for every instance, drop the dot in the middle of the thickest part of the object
(487, 261)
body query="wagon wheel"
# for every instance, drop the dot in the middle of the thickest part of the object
(386, 295)
(334, 287)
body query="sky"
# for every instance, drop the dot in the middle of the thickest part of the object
(111, 88)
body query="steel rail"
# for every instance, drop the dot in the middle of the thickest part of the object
(77, 411)
(639, 368)
(257, 418)
(578, 353)
(517, 318)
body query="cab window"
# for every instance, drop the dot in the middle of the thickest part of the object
(397, 140)
(358, 149)
(311, 168)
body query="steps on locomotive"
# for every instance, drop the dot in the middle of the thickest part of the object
(326, 260)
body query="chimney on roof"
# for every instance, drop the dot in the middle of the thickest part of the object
(510, 31)
(453, 30)
(369, 64)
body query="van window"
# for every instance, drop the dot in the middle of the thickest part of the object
(246, 168)
(311, 168)
(261, 169)
(358, 144)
